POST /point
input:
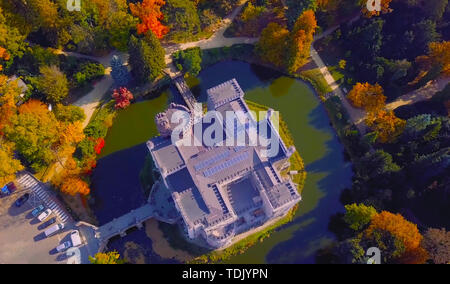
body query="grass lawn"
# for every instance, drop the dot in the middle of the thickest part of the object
(315, 77)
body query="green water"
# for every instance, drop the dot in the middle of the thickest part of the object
(134, 125)
(328, 173)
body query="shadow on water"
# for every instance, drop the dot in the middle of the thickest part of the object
(116, 184)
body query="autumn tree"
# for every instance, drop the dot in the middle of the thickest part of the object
(74, 185)
(404, 231)
(438, 54)
(53, 84)
(150, 15)
(123, 97)
(272, 44)
(300, 40)
(106, 258)
(367, 96)
(387, 126)
(35, 133)
(182, 17)
(12, 42)
(10, 92)
(8, 164)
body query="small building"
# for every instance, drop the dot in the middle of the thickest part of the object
(222, 191)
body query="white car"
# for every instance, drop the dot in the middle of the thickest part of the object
(75, 238)
(54, 229)
(64, 246)
(44, 215)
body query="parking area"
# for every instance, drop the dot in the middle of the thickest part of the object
(22, 235)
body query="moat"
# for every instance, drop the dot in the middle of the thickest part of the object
(117, 188)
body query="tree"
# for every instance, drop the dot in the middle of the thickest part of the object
(123, 97)
(53, 84)
(376, 164)
(8, 164)
(149, 12)
(12, 42)
(357, 216)
(439, 53)
(74, 185)
(296, 8)
(300, 41)
(35, 133)
(272, 44)
(190, 60)
(404, 232)
(387, 126)
(10, 92)
(435, 9)
(106, 258)
(69, 114)
(119, 72)
(146, 58)
(437, 244)
(182, 16)
(367, 96)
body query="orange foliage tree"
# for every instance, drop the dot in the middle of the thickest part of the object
(438, 54)
(404, 231)
(387, 126)
(149, 12)
(367, 96)
(300, 41)
(3, 55)
(75, 185)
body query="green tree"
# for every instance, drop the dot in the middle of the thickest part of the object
(69, 113)
(190, 59)
(376, 164)
(182, 18)
(435, 8)
(53, 84)
(146, 58)
(11, 39)
(357, 216)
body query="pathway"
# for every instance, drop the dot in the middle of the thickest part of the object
(424, 93)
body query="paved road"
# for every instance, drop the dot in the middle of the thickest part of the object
(357, 116)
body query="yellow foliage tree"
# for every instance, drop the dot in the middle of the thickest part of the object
(106, 258)
(439, 53)
(367, 96)
(272, 44)
(8, 165)
(387, 126)
(74, 185)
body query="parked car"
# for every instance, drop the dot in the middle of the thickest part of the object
(37, 210)
(8, 189)
(44, 215)
(48, 223)
(21, 201)
(64, 246)
(75, 238)
(53, 230)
